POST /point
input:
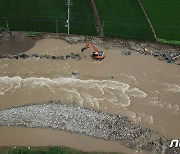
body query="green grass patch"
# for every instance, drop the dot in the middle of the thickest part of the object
(123, 18)
(45, 150)
(165, 17)
(52, 150)
(171, 42)
(44, 15)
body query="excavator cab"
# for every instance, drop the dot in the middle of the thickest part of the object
(99, 55)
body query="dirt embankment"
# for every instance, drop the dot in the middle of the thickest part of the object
(14, 43)
(18, 43)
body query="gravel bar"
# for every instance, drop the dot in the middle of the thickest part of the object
(72, 118)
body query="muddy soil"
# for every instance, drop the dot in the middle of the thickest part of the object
(15, 43)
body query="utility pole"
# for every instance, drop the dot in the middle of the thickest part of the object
(57, 27)
(69, 3)
(7, 26)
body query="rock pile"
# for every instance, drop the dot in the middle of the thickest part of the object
(169, 56)
(26, 56)
(74, 39)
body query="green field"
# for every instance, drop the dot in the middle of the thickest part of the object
(46, 150)
(165, 17)
(123, 18)
(41, 16)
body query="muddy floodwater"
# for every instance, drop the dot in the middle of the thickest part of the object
(140, 87)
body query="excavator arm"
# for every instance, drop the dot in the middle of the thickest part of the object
(90, 45)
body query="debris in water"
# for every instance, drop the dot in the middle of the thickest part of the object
(127, 52)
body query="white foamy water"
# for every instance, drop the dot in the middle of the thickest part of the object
(173, 88)
(108, 94)
(91, 91)
(94, 93)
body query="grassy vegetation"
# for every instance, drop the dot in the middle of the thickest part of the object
(52, 150)
(41, 16)
(123, 18)
(164, 41)
(45, 150)
(165, 17)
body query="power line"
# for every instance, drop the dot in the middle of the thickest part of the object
(161, 6)
(109, 19)
(81, 14)
(117, 23)
(145, 3)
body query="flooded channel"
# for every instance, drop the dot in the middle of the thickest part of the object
(140, 87)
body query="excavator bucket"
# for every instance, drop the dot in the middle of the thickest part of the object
(83, 49)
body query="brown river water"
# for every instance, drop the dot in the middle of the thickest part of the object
(140, 87)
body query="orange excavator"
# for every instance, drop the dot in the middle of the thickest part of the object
(99, 55)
